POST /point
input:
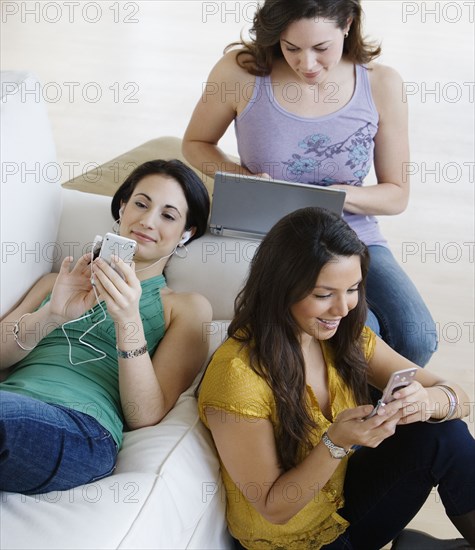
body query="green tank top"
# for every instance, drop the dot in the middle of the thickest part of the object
(91, 388)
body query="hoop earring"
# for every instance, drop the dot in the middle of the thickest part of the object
(184, 252)
(116, 226)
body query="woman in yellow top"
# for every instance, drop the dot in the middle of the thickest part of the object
(286, 399)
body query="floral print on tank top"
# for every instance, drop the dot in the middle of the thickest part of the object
(355, 151)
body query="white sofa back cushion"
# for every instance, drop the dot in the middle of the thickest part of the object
(30, 190)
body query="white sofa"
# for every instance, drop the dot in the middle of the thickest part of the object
(166, 491)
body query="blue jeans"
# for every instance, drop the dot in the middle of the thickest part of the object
(397, 311)
(45, 447)
(385, 487)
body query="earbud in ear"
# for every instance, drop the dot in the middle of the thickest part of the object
(184, 238)
(121, 211)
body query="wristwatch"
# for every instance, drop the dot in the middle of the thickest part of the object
(335, 450)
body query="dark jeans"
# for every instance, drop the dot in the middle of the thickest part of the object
(385, 487)
(47, 447)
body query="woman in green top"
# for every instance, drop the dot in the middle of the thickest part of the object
(95, 347)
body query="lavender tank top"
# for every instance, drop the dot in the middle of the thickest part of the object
(335, 148)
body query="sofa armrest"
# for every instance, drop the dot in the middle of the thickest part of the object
(30, 188)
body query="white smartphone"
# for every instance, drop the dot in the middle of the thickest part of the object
(398, 380)
(115, 245)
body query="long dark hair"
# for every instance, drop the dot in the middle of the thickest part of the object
(195, 192)
(283, 271)
(274, 16)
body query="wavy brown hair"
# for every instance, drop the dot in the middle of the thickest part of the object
(283, 271)
(274, 16)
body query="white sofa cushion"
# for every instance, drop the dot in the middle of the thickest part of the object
(30, 191)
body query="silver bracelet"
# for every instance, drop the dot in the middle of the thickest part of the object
(16, 332)
(132, 353)
(453, 404)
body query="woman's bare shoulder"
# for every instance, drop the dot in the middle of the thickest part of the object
(189, 304)
(384, 76)
(229, 66)
(387, 86)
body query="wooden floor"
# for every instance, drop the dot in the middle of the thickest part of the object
(116, 74)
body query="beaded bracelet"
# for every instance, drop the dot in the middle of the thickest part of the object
(453, 404)
(132, 353)
(16, 332)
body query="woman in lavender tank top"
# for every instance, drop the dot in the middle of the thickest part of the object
(310, 105)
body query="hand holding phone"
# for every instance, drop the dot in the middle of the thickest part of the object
(114, 245)
(399, 379)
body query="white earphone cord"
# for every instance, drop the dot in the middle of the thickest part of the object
(102, 354)
(159, 260)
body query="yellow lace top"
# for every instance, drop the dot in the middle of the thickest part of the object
(231, 385)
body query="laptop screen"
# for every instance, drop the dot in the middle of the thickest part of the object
(248, 206)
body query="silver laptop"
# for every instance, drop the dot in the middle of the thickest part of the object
(248, 206)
